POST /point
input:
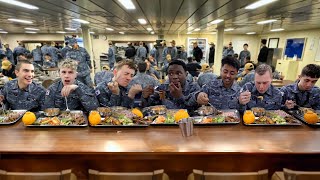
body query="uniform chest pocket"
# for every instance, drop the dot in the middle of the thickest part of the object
(217, 103)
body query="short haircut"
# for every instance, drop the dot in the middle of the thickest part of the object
(264, 41)
(68, 63)
(66, 43)
(189, 59)
(245, 44)
(311, 70)
(29, 56)
(129, 63)
(178, 62)
(262, 69)
(18, 66)
(47, 54)
(231, 61)
(248, 58)
(142, 67)
(2, 56)
(21, 54)
(118, 59)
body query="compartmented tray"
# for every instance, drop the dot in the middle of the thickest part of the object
(226, 117)
(274, 118)
(119, 117)
(299, 114)
(166, 119)
(64, 119)
(9, 117)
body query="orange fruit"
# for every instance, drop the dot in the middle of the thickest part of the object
(94, 118)
(181, 114)
(137, 112)
(310, 117)
(248, 117)
(29, 118)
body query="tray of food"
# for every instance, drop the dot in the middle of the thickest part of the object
(171, 117)
(118, 117)
(52, 117)
(154, 110)
(262, 117)
(223, 117)
(307, 115)
(8, 117)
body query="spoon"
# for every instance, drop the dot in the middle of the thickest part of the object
(68, 110)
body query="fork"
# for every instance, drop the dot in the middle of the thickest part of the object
(68, 110)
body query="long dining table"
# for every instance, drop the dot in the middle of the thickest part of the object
(223, 148)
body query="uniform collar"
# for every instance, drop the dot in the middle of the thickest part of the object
(16, 86)
(233, 87)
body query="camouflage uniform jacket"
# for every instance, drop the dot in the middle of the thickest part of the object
(31, 98)
(83, 98)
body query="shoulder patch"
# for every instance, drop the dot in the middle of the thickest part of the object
(48, 92)
(97, 92)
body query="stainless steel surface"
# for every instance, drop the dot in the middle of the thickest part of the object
(68, 110)
(164, 17)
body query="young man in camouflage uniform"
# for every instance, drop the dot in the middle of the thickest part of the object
(222, 92)
(303, 93)
(175, 95)
(22, 93)
(81, 56)
(260, 93)
(116, 92)
(79, 96)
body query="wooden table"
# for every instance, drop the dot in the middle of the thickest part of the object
(218, 148)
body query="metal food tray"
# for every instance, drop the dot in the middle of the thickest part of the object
(16, 120)
(167, 124)
(41, 115)
(299, 115)
(297, 122)
(198, 119)
(119, 126)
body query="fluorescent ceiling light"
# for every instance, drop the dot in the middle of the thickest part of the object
(127, 4)
(275, 30)
(32, 29)
(152, 32)
(109, 29)
(259, 3)
(91, 32)
(21, 21)
(198, 29)
(81, 21)
(1, 29)
(189, 32)
(267, 21)
(229, 29)
(149, 29)
(3, 32)
(142, 21)
(31, 32)
(20, 4)
(217, 21)
(61, 32)
(251, 33)
(70, 29)
(214, 33)
(121, 32)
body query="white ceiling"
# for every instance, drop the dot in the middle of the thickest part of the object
(163, 16)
